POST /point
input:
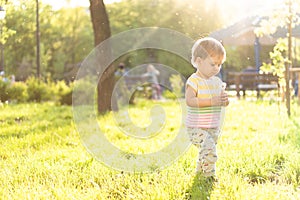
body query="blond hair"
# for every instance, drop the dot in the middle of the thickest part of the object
(208, 47)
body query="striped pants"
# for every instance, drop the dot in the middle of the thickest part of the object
(205, 140)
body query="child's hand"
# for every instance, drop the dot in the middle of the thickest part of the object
(221, 100)
(216, 101)
(224, 99)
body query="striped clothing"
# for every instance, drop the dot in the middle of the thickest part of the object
(204, 117)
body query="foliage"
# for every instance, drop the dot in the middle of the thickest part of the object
(37, 89)
(197, 20)
(59, 92)
(177, 85)
(288, 16)
(240, 57)
(67, 34)
(74, 43)
(66, 37)
(40, 147)
(18, 92)
(167, 14)
(85, 89)
(169, 94)
(64, 93)
(6, 32)
(176, 62)
(279, 60)
(280, 17)
(4, 84)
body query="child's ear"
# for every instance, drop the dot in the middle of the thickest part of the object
(199, 60)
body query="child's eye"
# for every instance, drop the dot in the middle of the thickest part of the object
(218, 65)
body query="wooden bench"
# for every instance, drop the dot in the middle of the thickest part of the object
(243, 81)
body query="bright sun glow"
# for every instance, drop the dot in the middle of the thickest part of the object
(231, 9)
(241, 8)
(73, 3)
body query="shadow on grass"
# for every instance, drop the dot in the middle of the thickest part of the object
(200, 189)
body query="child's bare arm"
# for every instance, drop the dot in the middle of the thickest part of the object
(193, 101)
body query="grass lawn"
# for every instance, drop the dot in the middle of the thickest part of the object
(41, 156)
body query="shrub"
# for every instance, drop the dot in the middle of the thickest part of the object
(37, 90)
(177, 85)
(66, 99)
(63, 93)
(18, 92)
(169, 95)
(84, 90)
(4, 84)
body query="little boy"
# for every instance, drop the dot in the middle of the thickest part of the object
(204, 98)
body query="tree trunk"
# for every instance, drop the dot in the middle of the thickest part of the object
(101, 29)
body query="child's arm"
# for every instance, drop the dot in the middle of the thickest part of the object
(193, 101)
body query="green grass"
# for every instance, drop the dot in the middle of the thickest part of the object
(41, 156)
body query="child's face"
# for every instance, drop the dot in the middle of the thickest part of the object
(209, 66)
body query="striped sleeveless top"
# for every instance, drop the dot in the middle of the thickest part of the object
(204, 117)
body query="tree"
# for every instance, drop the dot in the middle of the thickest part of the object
(71, 39)
(194, 18)
(101, 29)
(287, 17)
(66, 38)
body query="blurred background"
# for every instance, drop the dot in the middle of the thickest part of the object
(66, 32)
